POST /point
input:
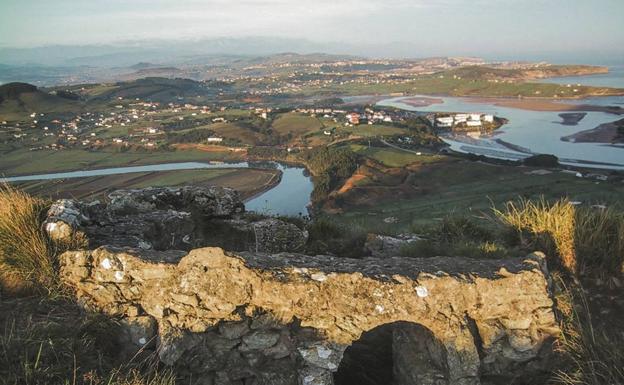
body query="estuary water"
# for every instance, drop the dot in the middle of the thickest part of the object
(530, 132)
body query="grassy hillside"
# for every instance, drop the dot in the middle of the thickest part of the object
(152, 89)
(296, 124)
(467, 81)
(534, 72)
(18, 100)
(423, 189)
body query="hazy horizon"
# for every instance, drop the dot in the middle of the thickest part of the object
(504, 29)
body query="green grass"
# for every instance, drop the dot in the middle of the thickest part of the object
(295, 123)
(372, 130)
(55, 342)
(393, 157)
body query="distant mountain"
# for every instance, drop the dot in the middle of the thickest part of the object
(142, 66)
(161, 52)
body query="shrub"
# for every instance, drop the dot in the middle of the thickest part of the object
(328, 237)
(467, 249)
(459, 227)
(542, 160)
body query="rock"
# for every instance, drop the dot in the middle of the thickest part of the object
(315, 376)
(260, 339)
(64, 217)
(233, 330)
(384, 246)
(139, 331)
(217, 310)
(274, 235)
(171, 219)
(270, 235)
(206, 201)
(325, 356)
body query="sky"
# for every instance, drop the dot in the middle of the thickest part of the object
(443, 27)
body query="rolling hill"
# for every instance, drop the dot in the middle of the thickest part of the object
(17, 100)
(155, 89)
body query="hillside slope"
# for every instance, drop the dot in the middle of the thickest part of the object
(17, 100)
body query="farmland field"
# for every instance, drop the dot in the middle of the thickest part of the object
(248, 182)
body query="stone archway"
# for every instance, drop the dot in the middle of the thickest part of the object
(398, 353)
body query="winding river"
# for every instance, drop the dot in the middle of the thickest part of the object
(530, 132)
(290, 197)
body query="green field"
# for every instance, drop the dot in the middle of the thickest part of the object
(372, 130)
(393, 157)
(296, 124)
(247, 181)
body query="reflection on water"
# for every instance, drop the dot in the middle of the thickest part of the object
(538, 131)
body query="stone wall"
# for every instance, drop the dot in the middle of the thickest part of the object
(253, 318)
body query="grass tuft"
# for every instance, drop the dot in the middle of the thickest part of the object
(28, 258)
(549, 227)
(26, 254)
(580, 238)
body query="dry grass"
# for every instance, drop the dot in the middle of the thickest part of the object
(27, 256)
(50, 342)
(580, 237)
(594, 355)
(550, 227)
(600, 239)
(25, 252)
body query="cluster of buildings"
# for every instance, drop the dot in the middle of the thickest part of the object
(466, 121)
(368, 116)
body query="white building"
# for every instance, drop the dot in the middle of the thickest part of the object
(487, 118)
(473, 123)
(460, 118)
(215, 140)
(446, 121)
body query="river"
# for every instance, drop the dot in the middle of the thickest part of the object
(290, 197)
(530, 132)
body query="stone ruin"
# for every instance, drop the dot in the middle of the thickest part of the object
(282, 318)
